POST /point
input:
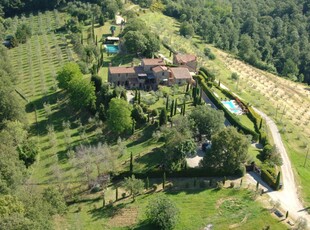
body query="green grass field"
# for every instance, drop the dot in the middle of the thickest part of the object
(198, 208)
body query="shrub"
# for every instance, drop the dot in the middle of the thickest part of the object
(162, 212)
(208, 72)
(219, 185)
(268, 178)
(123, 195)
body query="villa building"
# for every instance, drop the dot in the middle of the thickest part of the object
(188, 61)
(149, 74)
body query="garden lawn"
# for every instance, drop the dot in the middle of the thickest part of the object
(222, 208)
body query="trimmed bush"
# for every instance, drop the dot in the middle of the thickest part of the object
(208, 72)
(268, 178)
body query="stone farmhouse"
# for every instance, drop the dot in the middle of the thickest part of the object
(153, 72)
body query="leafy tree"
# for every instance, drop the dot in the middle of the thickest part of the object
(138, 114)
(23, 33)
(55, 199)
(119, 116)
(81, 93)
(133, 185)
(69, 71)
(162, 212)
(229, 150)
(208, 121)
(186, 29)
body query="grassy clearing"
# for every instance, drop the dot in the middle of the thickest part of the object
(198, 207)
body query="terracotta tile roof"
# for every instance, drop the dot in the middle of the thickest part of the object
(153, 61)
(159, 69)
(180, 73)
(122, 70)
(185, 58)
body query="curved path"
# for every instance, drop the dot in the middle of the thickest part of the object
(288, 195)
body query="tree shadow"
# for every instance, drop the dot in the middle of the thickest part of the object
(145, 225)
(107, 211)
(146, 134)
(152, 159)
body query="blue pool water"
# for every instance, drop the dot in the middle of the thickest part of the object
(232, 107)
(112, 49)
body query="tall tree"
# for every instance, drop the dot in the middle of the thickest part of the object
(119, 116)
(229, 150)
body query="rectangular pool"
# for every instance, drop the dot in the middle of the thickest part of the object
(232, 107)
(112, 49)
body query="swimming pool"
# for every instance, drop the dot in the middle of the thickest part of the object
(112, 49)
(232, 107)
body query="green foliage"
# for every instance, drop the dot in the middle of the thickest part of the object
(278, 181)
(234, 76)
(97, 82)
(229, 150)
(81, 93)
(138, 114)
(208, 121)
(210, 74)
(229, 116)
(163, 117)
(55, 199)
(133, 185)
(69, 71)
(139, 39)
(209, 54)
(162, 212)
(268, 178)
(119, 116)
(186, 29)
(23, 33)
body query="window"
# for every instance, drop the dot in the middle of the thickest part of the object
(119, 75)
(163, 73)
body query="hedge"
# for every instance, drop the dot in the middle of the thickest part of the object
(229, 116)
(203, 75)
(210, 74)
(189, 172)
(268, 178)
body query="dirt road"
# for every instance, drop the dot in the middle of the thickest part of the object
(288, 196)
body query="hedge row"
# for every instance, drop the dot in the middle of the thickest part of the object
(229, 116)
(203, 75)
(189, 172)
(209, 73)
(268, 178)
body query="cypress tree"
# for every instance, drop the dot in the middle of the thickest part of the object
(116, 194)
(133, 126)
(139, 97)
(131, 163)
(278, 181)
(172, 108)
(96, 40)
(224, 180)
(219, 83)
(136, 96)
(286, 215)
(164, 180)
(167, 103)
(240, 183)
(103, 200)
(187, 87)
(175, 107)
(257, 185)
(82, 38)
(163, 117)
(261, 124)
(184, 106)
